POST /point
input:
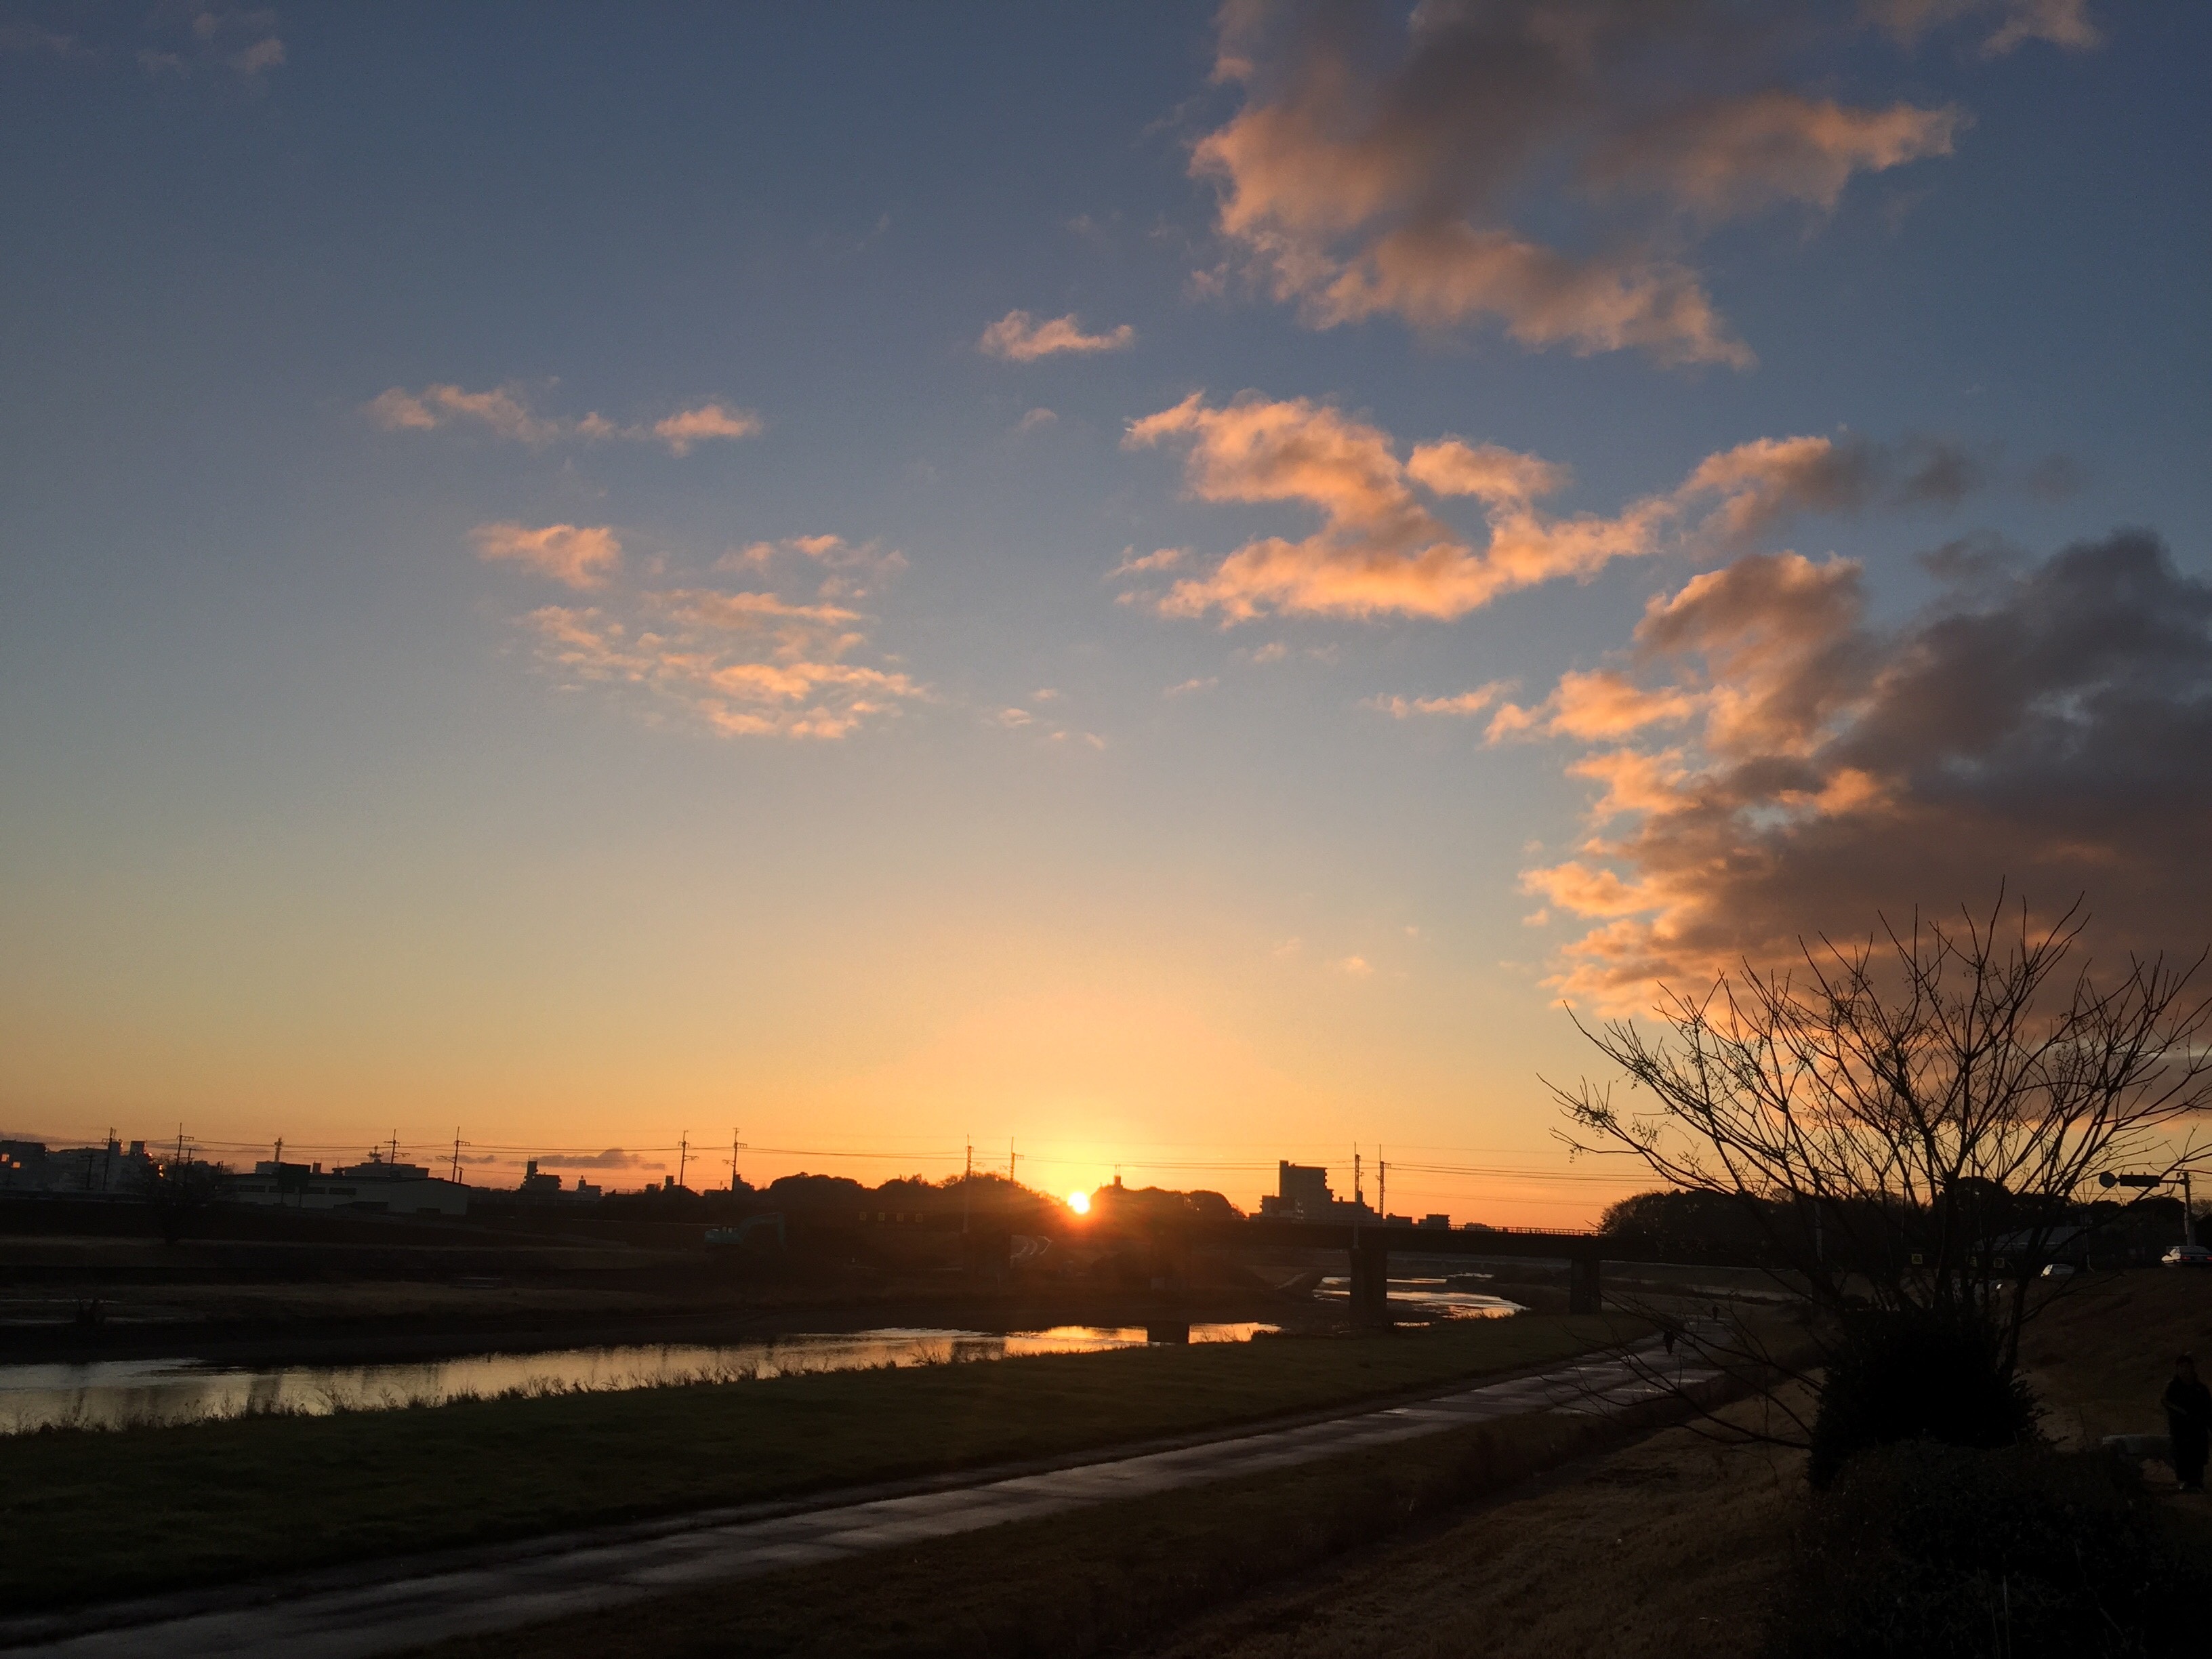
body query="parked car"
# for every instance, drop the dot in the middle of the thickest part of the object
(2058, 1270)
(2188, 1255)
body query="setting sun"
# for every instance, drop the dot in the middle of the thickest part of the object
(1079, 1202)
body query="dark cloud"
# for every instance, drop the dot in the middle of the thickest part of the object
(613, 1158)
(2048, 725)
(1382, 157)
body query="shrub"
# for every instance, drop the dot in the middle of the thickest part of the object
(1924, 1550)
(1917, 1375)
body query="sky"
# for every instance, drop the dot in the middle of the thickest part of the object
(1151, 589)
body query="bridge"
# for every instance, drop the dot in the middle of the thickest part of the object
(1368, 1245)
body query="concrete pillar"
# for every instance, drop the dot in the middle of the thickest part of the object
(1370, 1284)
(1585, 1295)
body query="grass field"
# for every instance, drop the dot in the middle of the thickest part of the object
(91, 1515)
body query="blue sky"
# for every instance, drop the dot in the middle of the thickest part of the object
(314, 825)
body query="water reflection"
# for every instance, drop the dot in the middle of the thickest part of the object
(125, 1393)
(1435, 1296)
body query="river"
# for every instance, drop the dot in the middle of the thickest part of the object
(109, 1394)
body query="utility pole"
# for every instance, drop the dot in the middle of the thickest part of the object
(1359, 1196)
(1014, 1160)
(2188, 1214)
(682, 1156)
(733, 1162)
(967, 1173)
(1381, 1182)
(455, 1176)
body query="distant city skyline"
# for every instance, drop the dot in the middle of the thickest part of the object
(1164, 586)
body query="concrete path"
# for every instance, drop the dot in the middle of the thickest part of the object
(557, 1578)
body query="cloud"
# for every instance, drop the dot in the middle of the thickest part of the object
(1355, 967)
(613, 1158)
(244, 42)
(20, 34)
(690, 426)
(1464, 706)
(582, 555)
(1036, 420)
(1724, 158)
(1190, 686)
(1379, 157)
(1165, 558)
(747, 662)
(847, 570)
(1020, 338)
(2065, 23)
(1383, 547)
(263, 54)
(506, 412)
(2040, 723)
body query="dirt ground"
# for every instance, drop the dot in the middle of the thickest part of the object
(1671, 1547)
(1677, 1546)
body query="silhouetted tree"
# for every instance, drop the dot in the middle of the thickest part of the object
(179, 1191)
(1905, 1125)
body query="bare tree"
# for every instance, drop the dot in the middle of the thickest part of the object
(1907, 1123)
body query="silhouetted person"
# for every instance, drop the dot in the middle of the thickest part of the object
(1667, 1337)
(2188, 1405)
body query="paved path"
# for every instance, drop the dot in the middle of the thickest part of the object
(561, 1578)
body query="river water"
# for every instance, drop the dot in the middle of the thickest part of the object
(109, 1394)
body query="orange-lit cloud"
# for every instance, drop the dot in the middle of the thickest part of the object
(582, 555)
(1383, 549)
(743, 662)
(1378, 155)
(2037, 724)
(689, 427)
(506, 412)
(1464, 705)
(1021, 339)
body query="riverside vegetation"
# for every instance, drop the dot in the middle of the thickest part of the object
(91, 1515)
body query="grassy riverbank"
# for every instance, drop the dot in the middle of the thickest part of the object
(1096, 1581)
(86, 1516)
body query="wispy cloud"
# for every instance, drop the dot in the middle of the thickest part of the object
(580, 556)
(1191, 687)
(244, 43)
(2012, 23)
(753, 661)
(706, 423)
(1021, 339)
(1463, 705)
(1133, 564)
(506, 412)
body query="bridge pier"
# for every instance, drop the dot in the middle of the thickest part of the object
(1370, 1284)
(1584, 1294)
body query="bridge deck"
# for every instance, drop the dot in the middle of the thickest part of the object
(1402, 1240)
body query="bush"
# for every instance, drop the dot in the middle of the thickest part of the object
(1925, 1550)
(1916, 1375)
